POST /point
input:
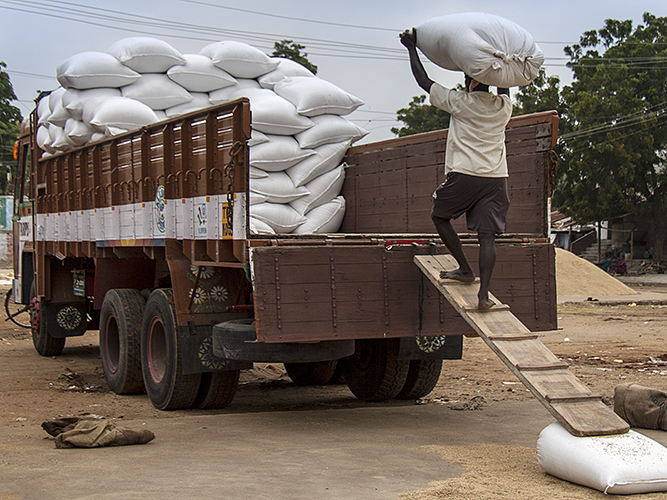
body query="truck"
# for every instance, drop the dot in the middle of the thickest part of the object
(145, 237)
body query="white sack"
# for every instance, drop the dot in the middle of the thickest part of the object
(146, 54)
(314, 96)
(43, 110)
(489, 48)
(277, 187)
(259, 227)
(77, 133)
(257, 173)
(326, 218)
(283, 219)
(328, 129)
(88, 70)
(320, 190)
(620, 464)
(59, 142)
(199, 101)
(44, 139)
(326, 158)
(256, 198)
(257, 137)
(239, 59)
(120, 113)
(285, 68)
(156, 91)
(280, 152)
(272, 114)
(199, 74)
(225, 94)
(59, 114)
(74, 99)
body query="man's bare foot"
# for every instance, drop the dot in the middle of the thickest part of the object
(485, 304)
(457, 275)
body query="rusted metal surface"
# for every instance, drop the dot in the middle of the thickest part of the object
(388, 185)
(373, 292)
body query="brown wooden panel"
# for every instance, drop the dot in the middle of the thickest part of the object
(372, 292)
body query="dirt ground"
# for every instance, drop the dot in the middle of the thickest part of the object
(605, 345)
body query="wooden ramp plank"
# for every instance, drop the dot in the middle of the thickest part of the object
(548, 378)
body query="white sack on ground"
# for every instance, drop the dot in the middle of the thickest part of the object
(286, 67)
(314, 96)
(277, 187)
(74, 99)
(199, 74)
(328, 129)
(88, 70)
(239, 59)
(489, 48)
(146, 54)
(326, 218)
(272, 114)
(320, 190)
(621, 464)
(156, 91)
(279, 153)
(326, 158)
(282, 218)
(120, 113)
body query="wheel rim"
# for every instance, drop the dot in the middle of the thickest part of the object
(157, 350)
(363, 355)
(112, 345)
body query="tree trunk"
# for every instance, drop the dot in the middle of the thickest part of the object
(659, 229)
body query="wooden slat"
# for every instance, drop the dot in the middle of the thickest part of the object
(548, 378)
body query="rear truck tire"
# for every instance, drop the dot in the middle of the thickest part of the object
(45, 344)
(374, 372)
(167, 386)
(120, 338)
(217, 389)
(423, 375)
(315, 373)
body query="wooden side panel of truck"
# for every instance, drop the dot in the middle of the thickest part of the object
(155, 222)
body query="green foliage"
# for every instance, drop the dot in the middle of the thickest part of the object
(614, 156)
(288, 49)
(419, 117)
(10, 122)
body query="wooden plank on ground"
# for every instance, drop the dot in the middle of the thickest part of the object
(549, 379)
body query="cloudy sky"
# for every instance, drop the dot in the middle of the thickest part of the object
(354, 43)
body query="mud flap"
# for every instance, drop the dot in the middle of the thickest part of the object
(197, 352)
(431, 347)
(65, 319)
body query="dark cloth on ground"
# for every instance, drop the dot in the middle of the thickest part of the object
(77, 433)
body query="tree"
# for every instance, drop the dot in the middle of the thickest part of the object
(419, 117)
(290, 50)
(614, 158)
(10, 122)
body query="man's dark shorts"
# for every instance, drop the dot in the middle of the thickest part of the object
(484, 200)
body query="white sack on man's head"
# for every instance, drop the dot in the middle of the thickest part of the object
(490, 49)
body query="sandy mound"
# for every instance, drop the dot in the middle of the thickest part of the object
(577, 276)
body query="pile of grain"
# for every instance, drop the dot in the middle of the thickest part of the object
(577, 276)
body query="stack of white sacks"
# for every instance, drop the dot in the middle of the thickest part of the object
(299, 132)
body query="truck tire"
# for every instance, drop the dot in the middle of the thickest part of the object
(422, 377)
(315, 373)
(374, 372)
(45, 344)
(120, 338)
(217, 389)
(166, 385)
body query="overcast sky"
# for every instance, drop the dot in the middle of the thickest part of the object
(354, 43)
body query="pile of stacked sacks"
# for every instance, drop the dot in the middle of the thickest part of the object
(299, 132)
